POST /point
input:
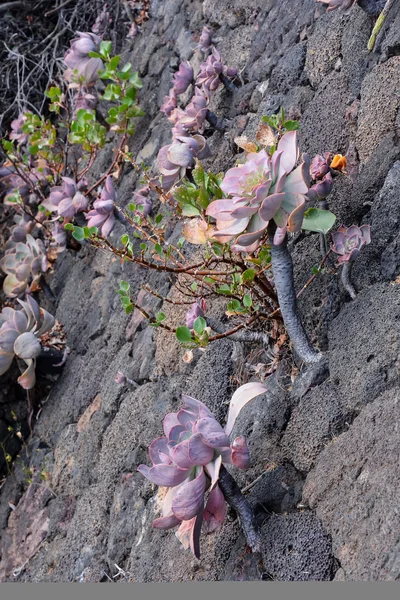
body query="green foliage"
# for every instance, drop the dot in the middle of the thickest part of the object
(317, 220)
(86, 131)
(81, 233)
(279, 124)
(194, 198)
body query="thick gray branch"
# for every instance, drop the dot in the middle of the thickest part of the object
(282, 268)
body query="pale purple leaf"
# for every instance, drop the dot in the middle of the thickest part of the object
(164, 475)
(240, 398)
(189, 499)
(212, 432)
(215, 511)
(199, 452)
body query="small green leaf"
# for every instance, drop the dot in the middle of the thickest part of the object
(183, 334)
(125, 239)
(318, 220)
(159, 219)
(190, 211)
(78, 234)
(69, 227)
(291, 125)
(193, 287)
(247, 301)
(248, 275)
(143, 246)
(124, 286)
(199, 325)
(160, 317)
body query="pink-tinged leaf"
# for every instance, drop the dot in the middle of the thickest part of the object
(189, 499)
(296, 181)
(165, 475)
(170, 421)
(186, 418)
(234, 227)
(296, 217)
(196, 406)
(242, 211)
(175, 433)
(165, 458)
(215, 511)
(240, 453)
(199, 452)
(290, 153)
(166, 522)
(213, 468)
(270, 205)
(7, 340)
(221, 209)
(240, 398)
(180, 455)
(27, 346)
(159, 445)
(212, 433)
(20, 321)
(28, 378)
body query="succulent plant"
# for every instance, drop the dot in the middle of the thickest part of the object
(343, 4)
(170, 103)
(141, 199)
(183, 78)
(66, 199)
(195, 113)
(348, 241)
(19, 336)
(196, 310)
(212, 70)
(188, 460)
(102, 215)
(319, 166)
(205, 40)
(175, 158)
(78, 61)
(24, 265)
(321, 189)
(18, 232)
(16, 130)
(262, 189)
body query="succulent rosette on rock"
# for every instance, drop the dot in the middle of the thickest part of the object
(264, 188)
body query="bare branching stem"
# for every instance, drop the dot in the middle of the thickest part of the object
(242, 507)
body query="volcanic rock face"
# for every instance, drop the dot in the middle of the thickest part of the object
(338, 435)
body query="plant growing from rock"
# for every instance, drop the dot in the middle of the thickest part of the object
(20, 332)
(347, 244)
(189, 460)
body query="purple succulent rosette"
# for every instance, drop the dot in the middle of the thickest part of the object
(102, 215)
(170, 103)
(348, 242)
(66, 199)
(205, 40)
(175, 158)
(16, 133)
(183, 78)
(197, 309)
(195, 113)
(23, 264)
(188, 458)
(19, 333)
(261, 189)
(141, 199)
(342, 4)
(211, 71)
(78, 61)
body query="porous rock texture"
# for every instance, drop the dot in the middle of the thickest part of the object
(87, 512)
